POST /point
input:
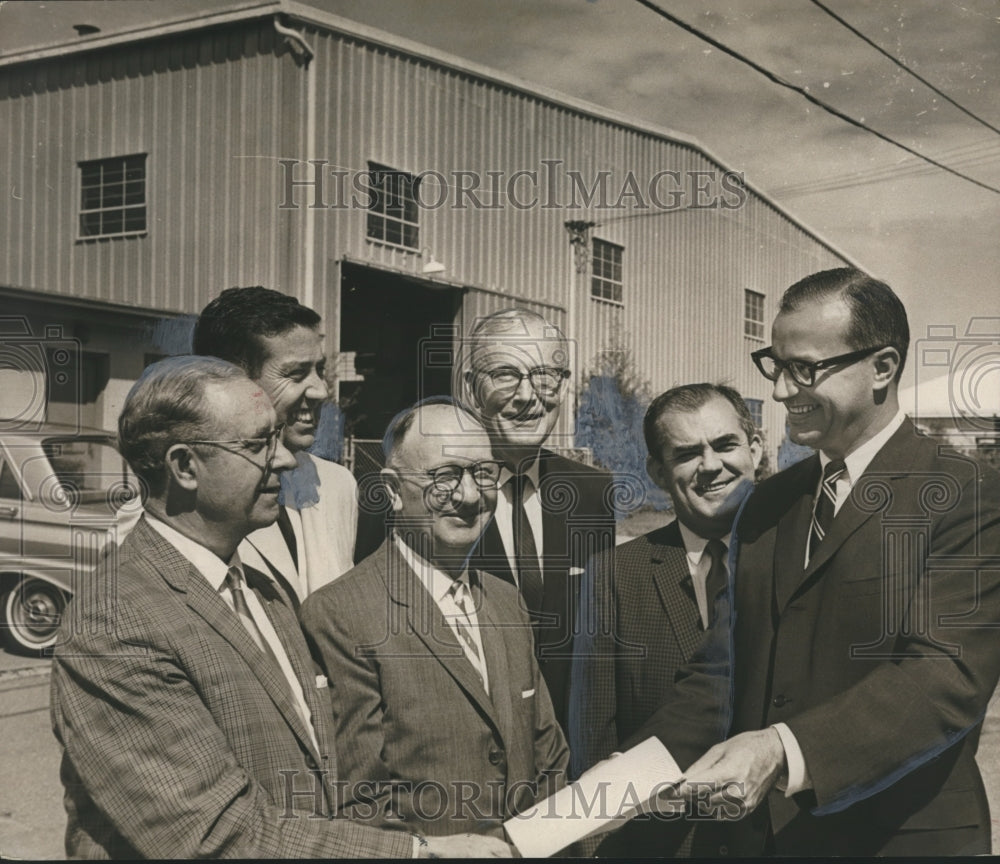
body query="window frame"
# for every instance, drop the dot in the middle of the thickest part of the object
(754, 328)
(756, 409)
(604, 283)
(406, 196)
(124, 208)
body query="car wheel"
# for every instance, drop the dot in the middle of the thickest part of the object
(32, 612)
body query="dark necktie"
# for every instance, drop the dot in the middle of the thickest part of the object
(529, 575)
(826, 504)
(234, 581)
(717, 581)
(285, 524)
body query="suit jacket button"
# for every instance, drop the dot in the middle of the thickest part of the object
(723, 850)
(496, 757)
(780, 701)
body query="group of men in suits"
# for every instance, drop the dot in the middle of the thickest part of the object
(784, 645)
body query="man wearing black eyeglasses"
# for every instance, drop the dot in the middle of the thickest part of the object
(552, 513)
(865, 619)
(440, 707)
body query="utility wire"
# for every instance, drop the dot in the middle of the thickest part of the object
(904, 67)
(803, 91)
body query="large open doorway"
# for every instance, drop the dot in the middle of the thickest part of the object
(398, 329)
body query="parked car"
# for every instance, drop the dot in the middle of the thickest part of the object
(66, 498)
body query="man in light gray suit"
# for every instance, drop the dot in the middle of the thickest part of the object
(445, 720)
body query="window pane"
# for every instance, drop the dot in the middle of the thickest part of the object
(135, 219)
(111, 222)
(90, 224)
(112, 196)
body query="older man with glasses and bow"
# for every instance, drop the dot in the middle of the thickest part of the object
(444, 719)
(866, 607)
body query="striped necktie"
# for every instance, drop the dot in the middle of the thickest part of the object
(826, 504)
(463, 624)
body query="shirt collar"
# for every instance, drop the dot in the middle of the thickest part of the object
(694, 545)
(203, 559)
(861, 458)
(433, 578)
(531, 472)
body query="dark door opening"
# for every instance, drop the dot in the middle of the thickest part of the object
(398, 329)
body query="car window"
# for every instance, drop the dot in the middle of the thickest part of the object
(9, 487)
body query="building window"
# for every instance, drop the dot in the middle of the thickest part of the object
(392, 216)
(113, 196)
(606, 280)
(753, 315)
(756, 409)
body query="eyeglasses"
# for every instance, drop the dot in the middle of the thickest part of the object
(546, 380)
(802, 371)
(445, 479)
(267, 444)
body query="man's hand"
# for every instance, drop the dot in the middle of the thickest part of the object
(735, 775)
(465, 846)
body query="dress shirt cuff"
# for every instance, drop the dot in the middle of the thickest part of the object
(419, 845)
(798, 778)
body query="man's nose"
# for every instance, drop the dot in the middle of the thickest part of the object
(711, 463)
(784, 386)
(316, 387)
(283, 459)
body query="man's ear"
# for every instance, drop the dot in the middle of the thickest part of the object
(182, 466)
(390, 477)
(471, 396)
(886, 364)
(756, 451)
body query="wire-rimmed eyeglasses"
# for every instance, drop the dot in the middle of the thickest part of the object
(803, 372)
(267, 444)
(445, 479)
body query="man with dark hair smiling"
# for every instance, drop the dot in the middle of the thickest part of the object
(645, 604)
(866, 604)
(277, 341)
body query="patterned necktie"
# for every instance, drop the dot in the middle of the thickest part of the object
(234, 581)
(717, 581)
(826, 504)
(463, 624)
(529, 575)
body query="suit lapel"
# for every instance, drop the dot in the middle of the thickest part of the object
(672, 580)
(791, 537)
(427, 622)
(269, 545)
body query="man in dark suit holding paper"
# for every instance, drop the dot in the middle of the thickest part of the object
(866, 603)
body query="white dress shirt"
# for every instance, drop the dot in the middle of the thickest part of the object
(698, 566)
(856, 462)
(214, 569)
(439, 585)
(504, 514)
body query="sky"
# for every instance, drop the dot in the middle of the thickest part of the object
(932, 236)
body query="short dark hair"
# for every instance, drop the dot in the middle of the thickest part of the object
(878, 316)
(232, 325)
(688, 398)
(165, 406)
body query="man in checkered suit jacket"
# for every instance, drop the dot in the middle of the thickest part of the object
(192, 721)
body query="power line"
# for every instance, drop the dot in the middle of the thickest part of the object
(802, 91)
(904, 67)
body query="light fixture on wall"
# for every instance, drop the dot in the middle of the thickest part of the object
(431, 266)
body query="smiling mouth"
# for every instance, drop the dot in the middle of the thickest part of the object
(718, 486)
(800, 410)
(304, 417)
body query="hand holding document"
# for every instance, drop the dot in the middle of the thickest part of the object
(604, 798)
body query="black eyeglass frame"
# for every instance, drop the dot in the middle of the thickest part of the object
(558, 372)
(812, 367)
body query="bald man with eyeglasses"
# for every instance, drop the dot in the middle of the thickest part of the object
(444, 721)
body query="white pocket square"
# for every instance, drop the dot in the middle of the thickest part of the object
(527, 694)
(576, 571)
(321, 682)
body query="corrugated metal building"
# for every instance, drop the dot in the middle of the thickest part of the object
(399, 191)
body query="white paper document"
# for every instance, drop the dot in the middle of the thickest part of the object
(604, 798)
